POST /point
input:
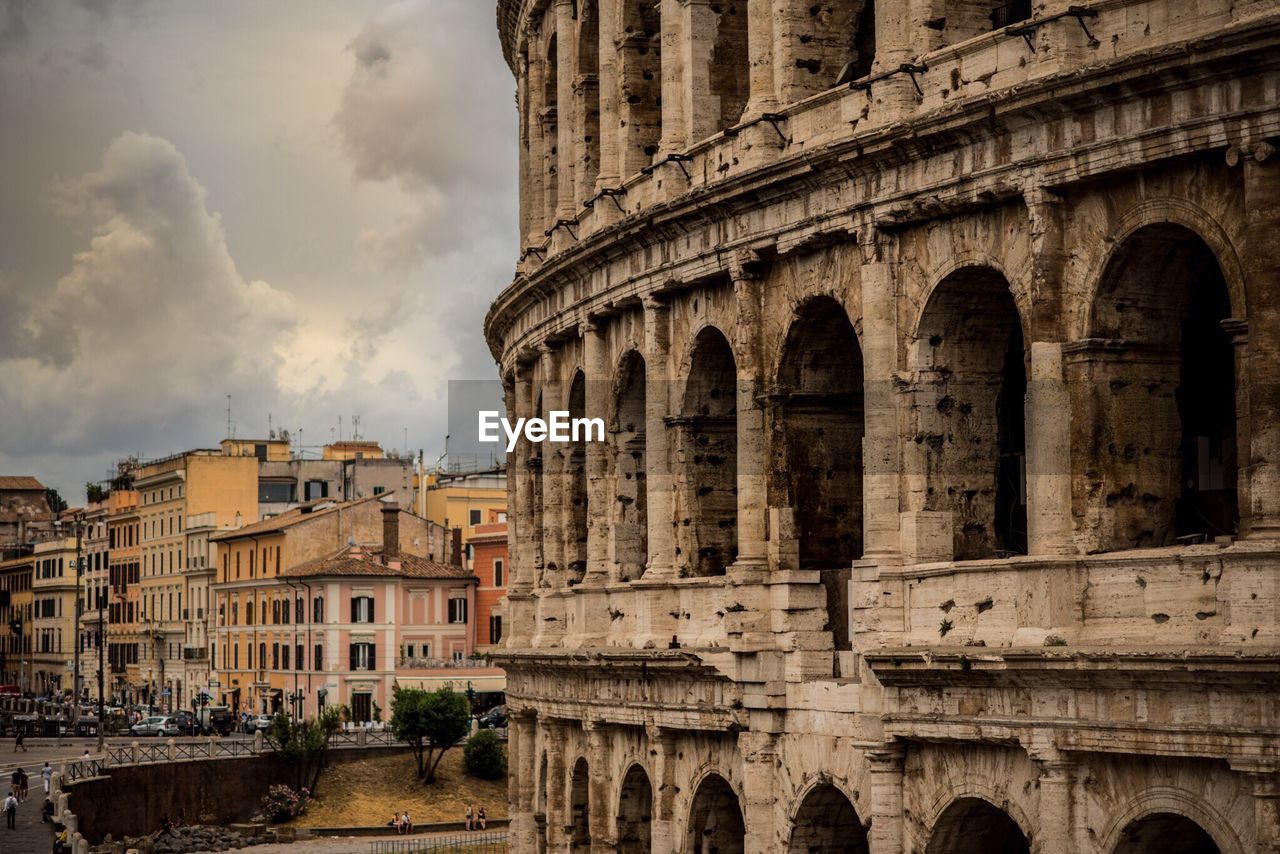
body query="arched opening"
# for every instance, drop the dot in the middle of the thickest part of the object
(550, 131)
(630, 529)
(635, 812)
(707, 541)
(729, 65)
(974, 826)
(817, 462)
(1165, 833)
(829, 44)
(970, 414)
(587, 90)
(1158, 377)
(715, 819)
(640, 78)
(826, 823)
(540, 811)
(575, 499)
(580, 809)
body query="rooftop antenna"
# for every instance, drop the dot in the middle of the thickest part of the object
(271, 432)
(228, 416)
(339, 428)
(355, 428)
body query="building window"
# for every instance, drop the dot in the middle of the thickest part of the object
(457, 610)
(317, 658)
(363, 656)
(378, 490)
(317, 610)
(362, 609)
(495, 629)
(298, 659)
(475, 517)
(498, 572)
(317, 489)
(275, 656)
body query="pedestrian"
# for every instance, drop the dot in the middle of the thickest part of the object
(470, 819)
(22, 785)
(11, 812)
(18, 741)
(480, 818)
(15, 783)
(406, 823)
(46, 774)
(46, 812)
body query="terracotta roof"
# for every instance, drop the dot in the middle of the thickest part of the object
(19, 482)
(301, 513)
(363, 562)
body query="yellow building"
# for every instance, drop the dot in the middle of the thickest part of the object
(124, 574)
(54, 620)
(465, 500)
(16, 613)
(182, 499)
(353, 450)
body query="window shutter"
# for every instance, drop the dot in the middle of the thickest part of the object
(353, 656)
(373, 656)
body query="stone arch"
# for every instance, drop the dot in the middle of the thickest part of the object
(635, 811)
(1156, 380)
(580, 807)
(707, 457)
(640, 79)
(587, 93)
(629, 529)
(1165, 833)
(973, 825)
(969, 360)
(715, 824)
(826, 822)
(1131, 830)
(817, 423)
(575, 485)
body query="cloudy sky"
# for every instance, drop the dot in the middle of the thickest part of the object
(304, 204)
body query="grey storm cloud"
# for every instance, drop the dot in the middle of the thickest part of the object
(152, 312)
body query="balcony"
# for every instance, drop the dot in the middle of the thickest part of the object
(195, 653)
(416, 663)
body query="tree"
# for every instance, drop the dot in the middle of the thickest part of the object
(56, 504)
(304, 744)
(431, 722)
(95, 492)
(484, 756)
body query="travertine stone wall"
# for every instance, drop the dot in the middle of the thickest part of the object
(939, 506)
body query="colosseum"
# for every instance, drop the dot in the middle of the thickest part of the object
(938, 347)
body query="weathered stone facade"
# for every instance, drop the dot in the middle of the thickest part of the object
(939, 347)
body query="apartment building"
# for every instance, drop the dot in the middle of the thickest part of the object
(16, 615)
(124, 576)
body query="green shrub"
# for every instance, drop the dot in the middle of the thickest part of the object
(485, 756)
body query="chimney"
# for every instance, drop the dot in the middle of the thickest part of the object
(390, 531)
(456, 550)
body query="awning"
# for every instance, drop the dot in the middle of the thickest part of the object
(479, 684)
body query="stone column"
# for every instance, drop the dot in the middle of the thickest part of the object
(567, 154)
(553, 469)
(1262, 285)
(1048, 436)
(535, 87)
(1056, 819)
(880, 452)
(522, 782)
(760, 46)
(1266, 810)
(526, 162)
(659, 479)
(759, 752)
(1239, 332)
(523, 534)
(675, 130)
(662, 747)
(600, 819)
(597, 386)
(610, 174)
(885, 765)
(752, 443)
(701, 103)
(558, 817)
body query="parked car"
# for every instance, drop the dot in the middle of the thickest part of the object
(495, 718)
(259, 723)
(185, 722)
(217, 720)
(157, 725)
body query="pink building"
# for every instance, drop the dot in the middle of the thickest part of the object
(381, 618)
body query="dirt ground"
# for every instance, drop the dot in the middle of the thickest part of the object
(366, 792)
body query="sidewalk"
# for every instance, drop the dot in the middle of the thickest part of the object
(32, 836)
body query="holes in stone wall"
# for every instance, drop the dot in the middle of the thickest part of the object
(730, 62)
(635, 812)
(818, 428)
(575, 533)
(708, 459)
(970, 414)
(630, 529)
(829, 43)
(964, 19)
(640, 76)
(587, 91)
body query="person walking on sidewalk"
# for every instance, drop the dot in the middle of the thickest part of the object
(11, 812)
(18, 741)
(46, 774)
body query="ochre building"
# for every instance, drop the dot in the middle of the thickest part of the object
(938, 343)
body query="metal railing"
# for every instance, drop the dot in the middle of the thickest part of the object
(471, 843)
(418, 663)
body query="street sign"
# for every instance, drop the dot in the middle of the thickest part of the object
(214, 683)
(165, 692)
